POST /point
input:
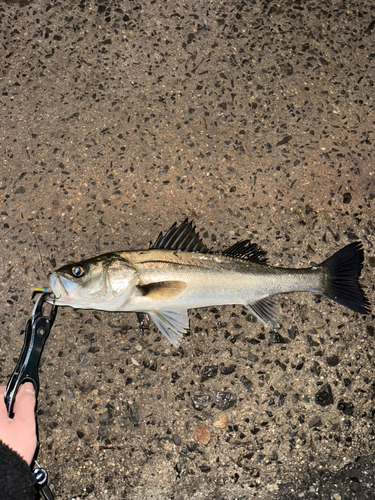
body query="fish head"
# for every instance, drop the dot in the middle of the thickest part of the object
(104, 282)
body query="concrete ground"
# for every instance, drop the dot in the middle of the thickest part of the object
(254, 119)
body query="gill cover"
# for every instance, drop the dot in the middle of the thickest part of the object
(104, 282)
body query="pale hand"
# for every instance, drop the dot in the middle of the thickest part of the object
(19, 432)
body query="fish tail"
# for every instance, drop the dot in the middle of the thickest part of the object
(342, 271)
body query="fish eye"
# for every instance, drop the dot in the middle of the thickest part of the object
(77, 271)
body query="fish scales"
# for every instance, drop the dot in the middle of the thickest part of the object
(216, 279)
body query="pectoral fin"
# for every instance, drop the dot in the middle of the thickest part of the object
(265, 310)
(162, 290)
(171, 323)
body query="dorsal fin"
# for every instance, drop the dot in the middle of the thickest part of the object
(183, 237)
(247, 251)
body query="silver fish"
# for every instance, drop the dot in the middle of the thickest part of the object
(178, 273)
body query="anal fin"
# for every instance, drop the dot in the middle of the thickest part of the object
(171, 323)
(265, 310)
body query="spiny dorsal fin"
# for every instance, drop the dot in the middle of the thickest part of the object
(247, 251)
(183, 237)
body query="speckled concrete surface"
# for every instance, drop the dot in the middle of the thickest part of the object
(252, 118)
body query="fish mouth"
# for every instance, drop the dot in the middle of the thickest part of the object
(59, 292)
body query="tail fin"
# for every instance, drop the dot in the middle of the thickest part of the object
(343, 270)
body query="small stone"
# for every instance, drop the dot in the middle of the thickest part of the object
(333, 360)
(225, 400)
(351, 235)
(200, 401)
(85, 361)
(252, 357)
(208, 372)
(70, 393)
(205, 468)
(300, 365)
(93, 349)
(222, 421)
(316, 369)
(282, 398)
(192, 446)
(202, 434)
(295, 398)
(347, 424)
(280, 365)
(324, 396)
(346, 408)
(347, 198)
(104, 417)
(286, 69)
(227, 370)
(246, 382)
(370, 330)
(133, 413)
(176, 439)
(284, 140)
(276, 338)
(315, 422)
(293, 332)
(252, 341)
(311, 342)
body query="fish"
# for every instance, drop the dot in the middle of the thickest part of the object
(179, 272)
